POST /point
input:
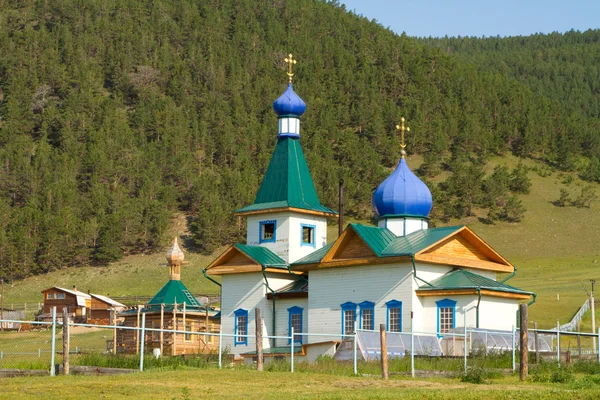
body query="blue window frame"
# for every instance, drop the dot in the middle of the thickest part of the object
(394, 316)
(295, 320)
(241, 327)
(367, 315)
(446, 315)
(348, 318)
(308, 235)
(267, 231)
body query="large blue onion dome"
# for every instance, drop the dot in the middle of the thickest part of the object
(289, 103)
(402, 194)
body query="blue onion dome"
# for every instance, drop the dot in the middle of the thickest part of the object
(289, 103)
(402, 194)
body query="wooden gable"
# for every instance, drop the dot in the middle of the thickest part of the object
(465, 249)
(232, 261)
(349, 246)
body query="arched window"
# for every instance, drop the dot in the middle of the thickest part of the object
(446, 315)
(394, 316)
(367, 315)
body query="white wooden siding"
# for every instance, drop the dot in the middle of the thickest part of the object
(329, 288)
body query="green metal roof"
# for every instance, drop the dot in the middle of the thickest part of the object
(174, 292)
(384, 243)
(299, 286)
(417, 241)
(287, 182)
(378, 239)
(262, 255)
(314, 257)
(461, 279)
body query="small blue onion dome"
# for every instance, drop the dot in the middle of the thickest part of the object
(402, 193)
(289, 103)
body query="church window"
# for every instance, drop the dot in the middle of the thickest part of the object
(394, 316)
(267, 231)
(189, 326)
(348, 318)
(367, 315)
(241, 327)
(308, 235)
(295, 321)
(446, 315)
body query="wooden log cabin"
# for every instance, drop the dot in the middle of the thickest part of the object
(82, 307)
(172, 308)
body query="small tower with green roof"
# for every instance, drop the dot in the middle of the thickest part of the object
(287, 216)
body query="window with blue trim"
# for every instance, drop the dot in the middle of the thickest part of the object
(267, 231)
(295, 321)
(446, 315)
(348, 318)
(307, 235)
(241, 327)
(394, 316)
(367, 315)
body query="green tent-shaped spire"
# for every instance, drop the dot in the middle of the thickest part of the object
(174, 292)
(287, 182)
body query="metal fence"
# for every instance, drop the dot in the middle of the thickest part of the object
(572, 325)
(39, 346)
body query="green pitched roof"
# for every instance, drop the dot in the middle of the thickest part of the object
(262, 255)
(314, 257)
(461, 279)
(417, 241)
(287, 182)
(174, 292)
(299, 286)
(378, 239)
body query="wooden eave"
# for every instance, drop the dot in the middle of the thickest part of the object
(288, 295)
(472, 291)
(284, 209)
(350, 262)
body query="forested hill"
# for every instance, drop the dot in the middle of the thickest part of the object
(115, 114)
(561, 67)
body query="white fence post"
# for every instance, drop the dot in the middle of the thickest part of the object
(355, 348)
(558, 342)
(53, 346)
(412, 347)
(142, 334)
(465, 338)
(513, 349)
(292, 342)
(220, 347)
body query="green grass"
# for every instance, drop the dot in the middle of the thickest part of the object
(248, 384)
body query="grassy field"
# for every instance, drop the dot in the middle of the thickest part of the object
(555, 249)
(236, 384)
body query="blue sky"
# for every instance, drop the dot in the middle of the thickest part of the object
(479, 18)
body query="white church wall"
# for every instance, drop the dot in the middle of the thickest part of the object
(282, 318)
(297, 248)
(247, 291)
(282, 231)
(498, 313)
(331, 287)
(427, 272)
(414, 224)
(430, 311)
(288, 230)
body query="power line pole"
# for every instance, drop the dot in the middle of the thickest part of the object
(593, 314)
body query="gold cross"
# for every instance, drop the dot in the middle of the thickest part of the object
(402, 128)
(290, 61)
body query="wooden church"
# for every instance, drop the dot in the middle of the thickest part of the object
(369, 275)
(172, 308)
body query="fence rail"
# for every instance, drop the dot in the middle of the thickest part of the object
(43, 348)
